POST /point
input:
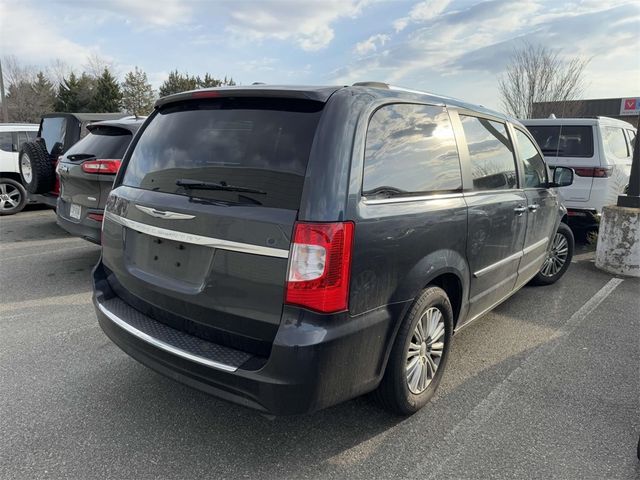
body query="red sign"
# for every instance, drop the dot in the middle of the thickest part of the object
(630, 106)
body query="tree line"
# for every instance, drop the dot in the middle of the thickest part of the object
(30, 93)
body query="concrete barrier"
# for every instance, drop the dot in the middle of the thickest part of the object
(618, 248)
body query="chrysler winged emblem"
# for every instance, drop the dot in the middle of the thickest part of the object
(164, 214)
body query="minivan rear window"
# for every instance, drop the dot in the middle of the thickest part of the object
(103, 143)
(564, 141)
(256, 149)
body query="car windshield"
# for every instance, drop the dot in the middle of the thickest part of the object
(564, 140)
(251, 144)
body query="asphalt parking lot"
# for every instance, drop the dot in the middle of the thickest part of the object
(546, 386)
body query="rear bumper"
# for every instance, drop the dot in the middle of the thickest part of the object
(44, 198)
(316, 360)
(86, 228)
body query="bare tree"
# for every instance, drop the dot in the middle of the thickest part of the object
(96, 64)
(537, 74)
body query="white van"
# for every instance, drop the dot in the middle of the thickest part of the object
(13, 196)
(599, 151)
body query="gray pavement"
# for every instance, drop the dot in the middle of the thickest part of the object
(546, 386)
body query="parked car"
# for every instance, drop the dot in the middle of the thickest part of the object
(38, 159)
(289, 248)
(598, 150)
(13, 196)
(86, 175)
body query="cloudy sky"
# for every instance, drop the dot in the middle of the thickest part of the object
(452, 47)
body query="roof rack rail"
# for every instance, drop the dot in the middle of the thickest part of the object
(371, 84)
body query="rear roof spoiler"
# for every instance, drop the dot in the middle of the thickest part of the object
(318, 94)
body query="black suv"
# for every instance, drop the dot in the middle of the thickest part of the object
(288, 248)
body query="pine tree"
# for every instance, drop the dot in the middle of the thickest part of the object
(75, 94)
(67, 97)
(107, 96)
(137, 94)
(177, 83)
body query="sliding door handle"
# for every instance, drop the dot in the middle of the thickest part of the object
(533, 207)
(519, 210)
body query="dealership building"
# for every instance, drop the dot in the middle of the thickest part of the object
(627, 109)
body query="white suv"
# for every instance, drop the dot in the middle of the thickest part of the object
(599, 151)
(13, 196)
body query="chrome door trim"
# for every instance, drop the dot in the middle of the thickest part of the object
(162, 345)
(196, 239)
(498, 264)
(417, 198)
(164, 213)
(536, 245)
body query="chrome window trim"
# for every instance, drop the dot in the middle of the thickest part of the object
(162, 345)
(420, 198)
(196, 239)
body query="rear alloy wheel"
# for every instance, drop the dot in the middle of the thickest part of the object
(13, 197)
(558, 258)
(419, 354)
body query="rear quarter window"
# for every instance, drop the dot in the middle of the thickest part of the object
(410, 150)
(258, 144)
(615, 143)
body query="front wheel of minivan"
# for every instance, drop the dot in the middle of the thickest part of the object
(558, 258)
(419, 354)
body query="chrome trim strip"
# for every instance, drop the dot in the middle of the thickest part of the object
(498, 264)
(164, 213)
(421, 198)
(162, 345)
(539, 259)
(197, 239)
(536, 245)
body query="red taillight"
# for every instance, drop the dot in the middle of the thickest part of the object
(320, 266)
(96, 216)
(593, 172)
(101, 166)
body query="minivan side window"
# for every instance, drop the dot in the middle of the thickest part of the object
(410, 149)
(493, 164)
(535, 171)
(614, 142)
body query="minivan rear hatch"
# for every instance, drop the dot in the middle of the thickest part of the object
(198, 230)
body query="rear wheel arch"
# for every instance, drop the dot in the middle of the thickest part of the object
(12, 175)
(451, 283)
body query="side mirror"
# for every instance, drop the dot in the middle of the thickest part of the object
(562, 177)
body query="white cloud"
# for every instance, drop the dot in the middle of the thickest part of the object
(33, 38)
(371, 44)
(421, 12)
(307, 23)
(160, 13)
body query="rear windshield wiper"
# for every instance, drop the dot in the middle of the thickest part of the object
(385, 191)
(199, 185)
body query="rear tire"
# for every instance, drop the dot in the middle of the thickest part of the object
(558, 259)
(13, 197)
(36, 168)
(403, 390)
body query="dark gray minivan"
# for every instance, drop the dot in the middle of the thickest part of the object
(289, 248)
